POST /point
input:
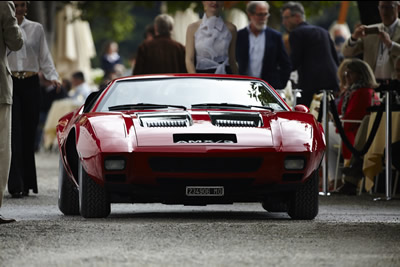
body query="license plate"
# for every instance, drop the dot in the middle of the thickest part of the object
(204, 191)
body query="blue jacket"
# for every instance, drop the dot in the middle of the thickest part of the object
(276, 64)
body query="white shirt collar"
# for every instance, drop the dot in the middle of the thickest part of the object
(24, 21)
(263, 30)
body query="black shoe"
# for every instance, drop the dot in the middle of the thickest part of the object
(347, 189)
(5, 220)
(17, 195)
(25, 193)
(354, 170)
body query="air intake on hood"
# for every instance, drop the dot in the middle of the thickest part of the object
(165, 120)
(236, 119)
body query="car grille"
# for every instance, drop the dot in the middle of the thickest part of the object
(231, 183)
(292, 177)
(205, 165)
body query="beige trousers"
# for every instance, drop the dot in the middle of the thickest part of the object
(5, 146)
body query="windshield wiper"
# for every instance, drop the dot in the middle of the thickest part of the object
(143, 106)
(228, 105)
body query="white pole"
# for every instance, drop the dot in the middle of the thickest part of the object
(325, 124)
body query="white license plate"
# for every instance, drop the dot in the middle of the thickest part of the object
(204, 191)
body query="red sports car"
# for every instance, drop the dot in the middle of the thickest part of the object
(192, 140)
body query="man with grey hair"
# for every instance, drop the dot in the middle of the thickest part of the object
(11, 38)
(162, 54)
(313, 53)
(259, 49)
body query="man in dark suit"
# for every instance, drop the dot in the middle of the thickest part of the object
(256, 40)
(313, 53)
(162, 54)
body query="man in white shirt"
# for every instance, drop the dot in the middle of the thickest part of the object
(259, 49)
(381, 48)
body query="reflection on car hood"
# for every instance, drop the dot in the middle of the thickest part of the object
(229, 128)
(199, 128)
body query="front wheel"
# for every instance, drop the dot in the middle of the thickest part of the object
(304, 203)
(68, 198)
(93, 198)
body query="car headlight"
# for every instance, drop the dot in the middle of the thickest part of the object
(295, 163)
(114, 164)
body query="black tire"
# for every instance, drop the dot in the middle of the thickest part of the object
(304, 203)
(93, 198)
(68, 196)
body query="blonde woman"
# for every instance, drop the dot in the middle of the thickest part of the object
(358, 96)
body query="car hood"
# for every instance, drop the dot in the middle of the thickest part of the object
(246, 129)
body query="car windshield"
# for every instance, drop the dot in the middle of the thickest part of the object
(192, 93)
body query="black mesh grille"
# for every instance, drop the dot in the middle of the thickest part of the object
(115, 177)
(292, 177)
(230, 183)
(204, 165)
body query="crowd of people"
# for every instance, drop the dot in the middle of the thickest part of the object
(213, 45)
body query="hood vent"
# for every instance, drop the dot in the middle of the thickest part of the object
(234, 123)
(236, 119)
(165, 120)
(167, 123)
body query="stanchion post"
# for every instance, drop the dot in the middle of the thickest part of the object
(325, 123)
(388, 149)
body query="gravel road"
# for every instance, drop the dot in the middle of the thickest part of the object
(349, 231)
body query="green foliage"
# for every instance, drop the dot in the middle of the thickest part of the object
(110, 20)
(173, 6)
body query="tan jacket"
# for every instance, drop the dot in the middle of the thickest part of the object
(369, 46)
(11, 38)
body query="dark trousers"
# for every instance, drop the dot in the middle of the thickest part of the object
(25, 118)
(306, 97)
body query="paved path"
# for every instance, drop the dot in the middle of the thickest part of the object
(349, 231)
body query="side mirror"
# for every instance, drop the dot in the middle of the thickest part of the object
(301, 108)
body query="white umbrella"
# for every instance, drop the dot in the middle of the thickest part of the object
(74, 46)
